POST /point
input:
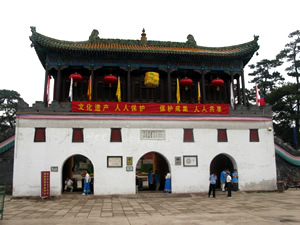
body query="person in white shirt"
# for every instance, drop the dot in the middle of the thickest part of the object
(68, 184)
(228, 180)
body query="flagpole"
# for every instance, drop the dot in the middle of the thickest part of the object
(71, 90)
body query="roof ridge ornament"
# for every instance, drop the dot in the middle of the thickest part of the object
(33, 29)
(256, 37)
(191, 41)
(94, 36)
(143, 37)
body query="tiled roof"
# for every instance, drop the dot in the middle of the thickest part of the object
(98, 45)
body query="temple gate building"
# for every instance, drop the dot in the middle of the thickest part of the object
(125, 104)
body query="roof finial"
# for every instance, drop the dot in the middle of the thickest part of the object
(143, 37)
(191, 41)
(94, 36)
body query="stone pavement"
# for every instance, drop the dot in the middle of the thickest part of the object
(156, 208)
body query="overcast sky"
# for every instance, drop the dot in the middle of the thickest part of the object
(213, 23)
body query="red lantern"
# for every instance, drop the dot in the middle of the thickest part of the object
(186, 82)
(110, 79)
(76, 78)
(217, 83)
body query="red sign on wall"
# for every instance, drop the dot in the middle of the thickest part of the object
(149, 108)
(45, 184)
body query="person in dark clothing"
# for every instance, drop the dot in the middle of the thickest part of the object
(212, 184)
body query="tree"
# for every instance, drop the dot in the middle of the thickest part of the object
(291, 54)
(265, 79)
(283, 100)
(8, 108)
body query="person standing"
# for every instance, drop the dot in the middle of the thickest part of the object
(223, 180)
(228, 180)
(235, 180)
(87, 184)
(212, 184)
(150, 179)
(168, 183)
(157, 180)
(229, 173)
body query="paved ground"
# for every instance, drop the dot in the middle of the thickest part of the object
(156, 208)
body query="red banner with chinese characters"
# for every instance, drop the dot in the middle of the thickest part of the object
(45, 184)
(149, 108)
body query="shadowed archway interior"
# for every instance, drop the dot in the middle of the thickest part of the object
(218, 164)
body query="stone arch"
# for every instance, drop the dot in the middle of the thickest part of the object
(73, 166)
(220, 162)
(157, 162)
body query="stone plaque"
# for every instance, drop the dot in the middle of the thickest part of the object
(153, 135)
(114, 161)
(190, 160)
(177, 161)
(54, 168)
(129, 161)
(129, 168)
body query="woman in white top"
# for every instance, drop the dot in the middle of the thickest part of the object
(168, 183)
(87, 184)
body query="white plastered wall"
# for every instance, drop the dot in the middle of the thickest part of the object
(255, 160)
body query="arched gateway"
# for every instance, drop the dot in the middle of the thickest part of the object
(158, 164)
(74, 168)
(222, 162)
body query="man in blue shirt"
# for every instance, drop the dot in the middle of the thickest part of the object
(223, 180)
(235, 180)
(150, 179)
(212, 184)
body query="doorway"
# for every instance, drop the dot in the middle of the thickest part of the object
(221, 162)
(155, 163)
(74, 168)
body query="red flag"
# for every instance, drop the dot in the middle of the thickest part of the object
(262, 100)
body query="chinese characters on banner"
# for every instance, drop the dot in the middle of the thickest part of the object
(149, 108)
(45, 184)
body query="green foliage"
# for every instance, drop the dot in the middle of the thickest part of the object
(8, 108)
(263, 77)
(284, 106)
(283, 101)
(146, 167)
(291, 54)
(284, 97)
